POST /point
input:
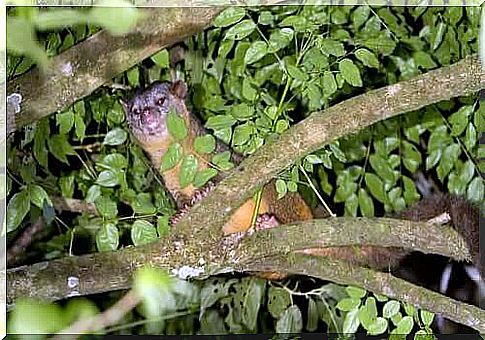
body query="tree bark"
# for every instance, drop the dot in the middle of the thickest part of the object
(83, 68)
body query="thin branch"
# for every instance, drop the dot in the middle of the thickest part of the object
(73, 205)
(108, 318)
(381, 283)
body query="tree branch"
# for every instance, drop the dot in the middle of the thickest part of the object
(83, 68)
(349, 232)
(206, 218)
(377, 282)
(107, 271)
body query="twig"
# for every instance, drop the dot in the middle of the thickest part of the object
(108, 318)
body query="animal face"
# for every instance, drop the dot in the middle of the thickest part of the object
(147, 111)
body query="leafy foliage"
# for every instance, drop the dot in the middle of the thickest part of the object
(252, 76)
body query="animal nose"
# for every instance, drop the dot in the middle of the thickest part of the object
(146, 116)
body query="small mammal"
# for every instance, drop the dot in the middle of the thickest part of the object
(147, 115)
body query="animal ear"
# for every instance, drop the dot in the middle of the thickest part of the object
(179, 89)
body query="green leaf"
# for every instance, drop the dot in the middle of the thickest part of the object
(188, 169)
(366, 204)
(222, 160)
(204, 144)
(382, 168)
(424, 60)
(220, 122)
(298, 22)
(143, 205)
(281, 125)
(359, 17)
(106, 207)
(65, 121)
(281, 188)
(250, 93)
(252, 303)
(107, 178)
(133, 75)
(162, 58)
(242, 134)
(278, 301)
(118, 17)
(80, 126)
(329, 85)
(351, 322)
(241, 30)
(350, 72)
(116, 136)
(405, 325)
(459, 120)
(426, 317)
(143, 232)
(332, 47)
(292, 186)
(229, 16)
(66, 184)
(204, 176)
(33, 317)
(224, 48)
(279, 39)
(348, 304)
(163, 226)
(255, 52)
(447, 162)
(107, 238)
(382, 45)
(437, 37)
(60, 147)
(355, 292)
(312, 316)
(291, 321)
(476, 190)
(242, 111)
(265, 18)
(412, 157)
(367, 58)
(38, 195)
(17, 208)
(296, 73)
(94, 192)
(470, 137)
(172, 157)
(176, 126)
(390, 309)
(376, 187)
(433, 159)
(378, 327)
(114, 161)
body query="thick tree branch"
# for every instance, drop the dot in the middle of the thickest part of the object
(83, 68)
(348, 231)
(377, 282)
(101, 272)
(206, 218)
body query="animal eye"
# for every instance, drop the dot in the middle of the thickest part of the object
(136, 111)
(160, 101)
